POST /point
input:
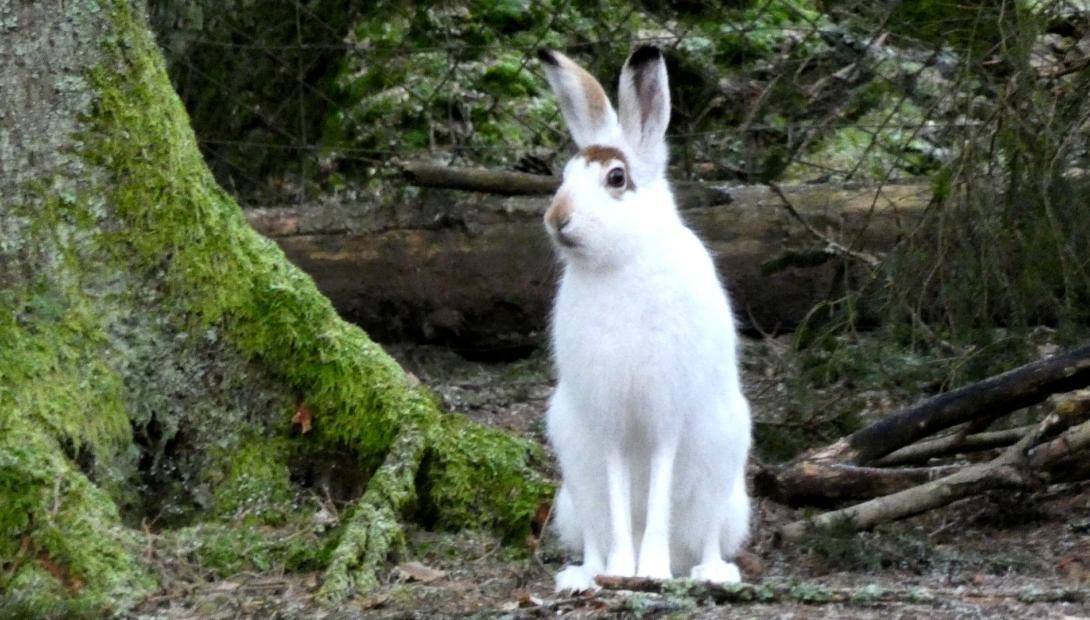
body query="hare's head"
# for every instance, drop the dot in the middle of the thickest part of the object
(614, 193)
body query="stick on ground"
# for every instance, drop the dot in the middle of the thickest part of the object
(993, 397)
(955, 443)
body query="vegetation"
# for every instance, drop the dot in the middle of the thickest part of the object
(763, 90)
(785, 91)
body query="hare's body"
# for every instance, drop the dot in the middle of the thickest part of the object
(648, 419)
(646, 354)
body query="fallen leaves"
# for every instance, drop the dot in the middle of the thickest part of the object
(302, 418)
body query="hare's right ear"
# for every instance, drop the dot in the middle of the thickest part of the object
(582, 100)
(644, 101)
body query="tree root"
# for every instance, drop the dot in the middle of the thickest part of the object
(374, 529)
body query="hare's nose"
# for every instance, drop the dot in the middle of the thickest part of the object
(559, 214)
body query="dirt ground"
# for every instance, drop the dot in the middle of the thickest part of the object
(998, 556)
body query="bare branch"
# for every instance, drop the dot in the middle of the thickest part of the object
(955, 443)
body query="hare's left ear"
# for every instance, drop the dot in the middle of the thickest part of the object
(587, 111)
(644, 108)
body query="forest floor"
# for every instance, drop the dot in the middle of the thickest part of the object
(997, 556)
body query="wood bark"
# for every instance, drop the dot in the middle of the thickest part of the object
(475, 270)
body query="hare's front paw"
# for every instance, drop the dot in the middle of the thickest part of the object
(716, 571)
(575, 578)
(654, 564)
(621, 564)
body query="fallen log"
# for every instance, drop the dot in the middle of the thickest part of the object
(807, 478)
(475, 270)
(992, 398)
(504, 183)
(480, 180)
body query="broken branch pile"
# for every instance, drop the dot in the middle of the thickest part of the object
(899, 467)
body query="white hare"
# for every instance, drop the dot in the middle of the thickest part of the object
(648, 420)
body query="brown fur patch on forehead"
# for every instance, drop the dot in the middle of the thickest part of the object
(603, 154)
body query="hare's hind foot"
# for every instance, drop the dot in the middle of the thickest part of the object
(575, 578)
(716, 571)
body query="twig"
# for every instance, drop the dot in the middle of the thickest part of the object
(831, 245)
(1072, 67)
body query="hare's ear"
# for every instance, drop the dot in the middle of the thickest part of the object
(586, 109)
(644, 103)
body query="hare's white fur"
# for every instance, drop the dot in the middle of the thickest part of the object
(648, 420)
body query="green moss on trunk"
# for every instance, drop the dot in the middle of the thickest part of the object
(152, 341)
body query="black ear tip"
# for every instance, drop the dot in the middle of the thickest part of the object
(644, 55)
(546, 56)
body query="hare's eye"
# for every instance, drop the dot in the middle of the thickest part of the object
(615, 178)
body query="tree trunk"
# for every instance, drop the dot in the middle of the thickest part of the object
(154, 350)
(474, 269)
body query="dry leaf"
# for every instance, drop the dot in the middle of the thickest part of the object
(302, 418)
(525, 599)
(415, 571)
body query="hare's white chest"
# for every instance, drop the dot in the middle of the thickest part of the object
(643, 343)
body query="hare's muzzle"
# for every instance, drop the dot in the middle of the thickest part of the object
(557, 218)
